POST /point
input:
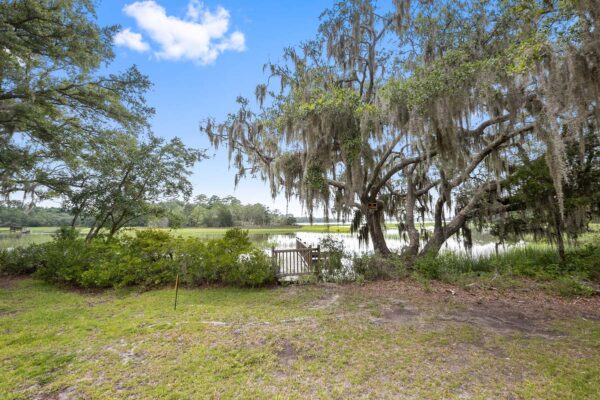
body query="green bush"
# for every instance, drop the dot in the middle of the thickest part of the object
(98, 264)
(585, 261)
(570, 286)
(21, 260)
(67, 233)
(232, 260)
(372, 267)
(447, 265)
(147, 258)
(251, 269)
(331, 266)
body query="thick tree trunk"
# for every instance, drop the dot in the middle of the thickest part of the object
(91, 233)
(560, 243)
(442, 232)
(116, 225)
(434, 244)
(411, 252)
(374, 223)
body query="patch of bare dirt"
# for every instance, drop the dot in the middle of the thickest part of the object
(215, 323)
(8, 282)
(500, 318)
(68, 393)
(530, 312)
(525, 304)
(400, 313)
(326, 302)
(287, 354)
(6, 313)
(126, 353)
(496, 351)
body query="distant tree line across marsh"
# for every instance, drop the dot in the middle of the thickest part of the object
(203, 211)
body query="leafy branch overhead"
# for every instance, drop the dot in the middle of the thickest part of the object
(68, 131)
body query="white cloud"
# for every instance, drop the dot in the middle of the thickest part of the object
(200, 37)
(193, 10)
(131, 40)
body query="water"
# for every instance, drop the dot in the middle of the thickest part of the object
(483, 244)
(12, 240)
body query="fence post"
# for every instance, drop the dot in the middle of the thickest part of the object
(273, 260)
(318, 264)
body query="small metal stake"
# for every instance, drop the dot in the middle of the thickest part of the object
(176, 290)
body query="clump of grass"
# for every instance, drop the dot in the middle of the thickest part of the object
(540, 263)
(374, 266)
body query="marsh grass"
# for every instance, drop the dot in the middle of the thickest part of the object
(541, 263)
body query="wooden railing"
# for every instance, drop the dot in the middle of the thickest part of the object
(302, 260)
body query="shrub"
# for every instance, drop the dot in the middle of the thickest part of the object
(539, 263)
(75, 262)
(331, 267)
(570, 286)
(67, 233)
(444, 266)
(147, 258)
(21, 260)
(585, 261)
(232, 260)
(251, 269)
(374, 266)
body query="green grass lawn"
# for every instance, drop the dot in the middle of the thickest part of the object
(382, 340)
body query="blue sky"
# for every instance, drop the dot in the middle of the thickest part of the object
(198, 68)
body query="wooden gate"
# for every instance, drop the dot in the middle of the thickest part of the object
(302, 260)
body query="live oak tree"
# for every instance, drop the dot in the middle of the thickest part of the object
(54, 102)
(525, 73)
(321, 137)
(423, 111)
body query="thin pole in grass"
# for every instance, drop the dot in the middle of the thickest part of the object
(176, 291)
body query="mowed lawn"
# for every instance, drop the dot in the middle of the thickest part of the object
(380, 340)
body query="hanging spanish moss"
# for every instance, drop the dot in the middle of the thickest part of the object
(428, 112)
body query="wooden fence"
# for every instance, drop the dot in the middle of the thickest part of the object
(303, 260)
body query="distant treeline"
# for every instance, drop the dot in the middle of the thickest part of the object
(204, 211)
(35, 216)
(216, 211)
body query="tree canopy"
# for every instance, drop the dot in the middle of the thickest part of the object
(70, 131)
(424, 110)
(54, 103)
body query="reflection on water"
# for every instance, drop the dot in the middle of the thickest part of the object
(11, 240)
(483, 244)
